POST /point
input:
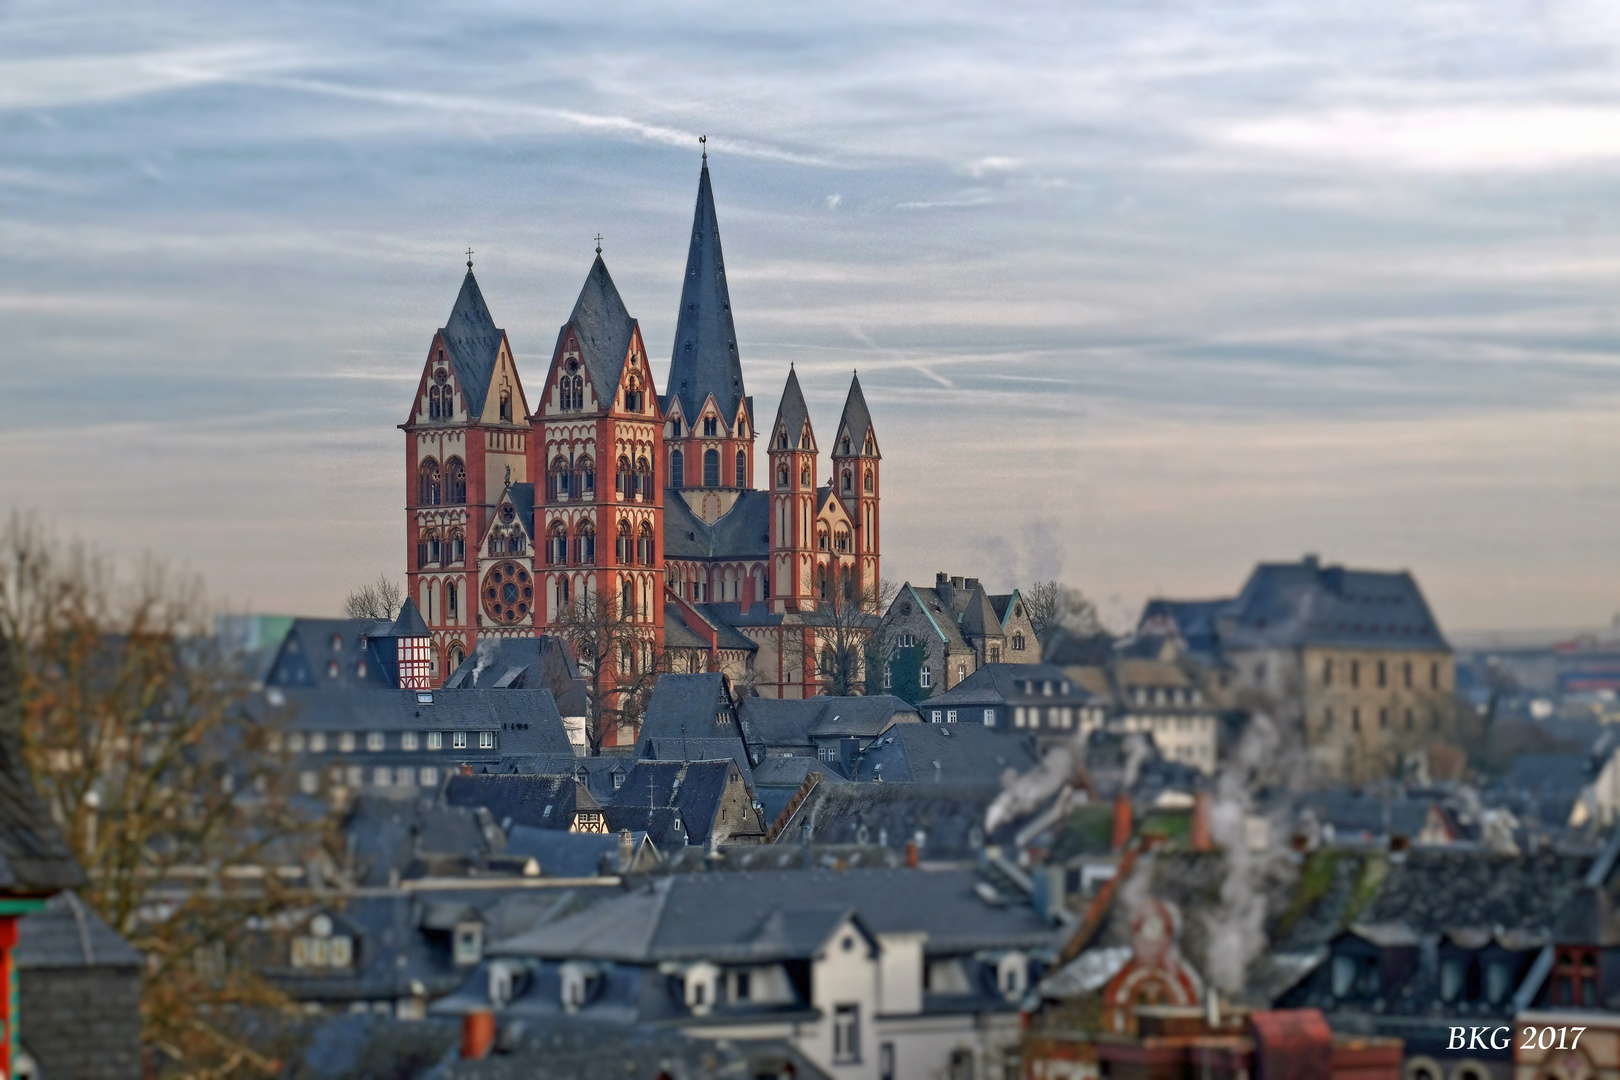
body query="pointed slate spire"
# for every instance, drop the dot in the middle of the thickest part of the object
(857, 421)
(705, 359)
(473, 342)
(604, 329)
(409, 622)
(792, 414)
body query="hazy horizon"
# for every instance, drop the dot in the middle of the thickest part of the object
(1139, 296)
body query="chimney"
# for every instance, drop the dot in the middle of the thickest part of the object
(912, 855)
(1200, 822)
(956, 583)
(1122, 822)
(627, 851)
(477, 1034)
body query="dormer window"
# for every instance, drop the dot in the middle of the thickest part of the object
(676, 428)
(711, 426)
(781, 440)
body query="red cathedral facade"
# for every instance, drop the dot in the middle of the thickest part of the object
(601, 489)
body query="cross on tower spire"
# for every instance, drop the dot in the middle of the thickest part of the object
(599, 243)
(703, 141)
(469, 259)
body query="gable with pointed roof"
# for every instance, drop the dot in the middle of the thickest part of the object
(792, 417)
(855, 425)
(603, 329)
(473, 344)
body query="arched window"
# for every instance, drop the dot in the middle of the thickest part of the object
(677, 469)
(869, 481)
(804, 439)
(572, 389)
(621, 545)
(821, 580)
(781, 439)
(781, 476)
(506, 406)
(450, 607)
(427, 483)
(644, 545)
(711, 426)
(562, 592)
(621, 482)
(841, 541)
(632, 395)
(455, 482)
(627, 600)
(849, 481)
(557, 545)
(458, 547)
(435, 552)
(433, 403)
(821, 538)
(643, 478)
(557, 479)
(585, 543)
(742, 469)
(1018, 642)
(585, 473)
(804, 477)
(457, 655)
(847, 583)
(711, 468)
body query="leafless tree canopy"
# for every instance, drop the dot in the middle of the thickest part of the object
(1051, 604)
(619, 658)
(172, 802)
(845, 643)
(379, 600)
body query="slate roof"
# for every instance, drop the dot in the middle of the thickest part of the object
(565, 854)
(741, 532)
(414, 838)
(677, 635)
(528, 720)
(523, 663)
(1005, 683)
(689, 705)
(67, 934)
(704, 359)
(943, 753)
(1552, 775)
(777, 915)
(1288, 605)
(799, 723)
(793, 414)
(856, 419)
(1067, 649)
(1193, 620)
(35, 860)
(522, 499)
(473, 341)
(694, 788)
(604, 329)
(537, 801)
(950, 815)
(301, 658)
(409, 623)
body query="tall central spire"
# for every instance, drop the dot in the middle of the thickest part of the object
(705, 359)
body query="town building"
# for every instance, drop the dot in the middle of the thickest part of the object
(602, 494)
(1355, 658)
(933, 638)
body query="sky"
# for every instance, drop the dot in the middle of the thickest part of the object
(1140, 293)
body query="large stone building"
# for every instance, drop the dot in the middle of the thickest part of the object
(1353, 656)
(936, 637)
(600, 489)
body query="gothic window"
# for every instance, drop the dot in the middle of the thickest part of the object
(711, 468)
(572, 389)
(675, 428)
(557, 545)
(782, 476)
(621, 546)
(433, 403)
(457, 655)
(450, 608)
(711, 426)
(508, 592)
(846, 446)
(841, 541)
(585, 470)
(821, 580)
(643, 478)
(742, 469)
(455, 482)
(781, 439)
(458, 547)
(632, 395)
(677, 468)
(848, 583)
(427, 483)
(804, 439)
(804, 477)
(557, 479)
(435, 553)
(644, 545)
(627, 601)
(821, 538)
(871, 447)
(849, 481)
(506, 406)
(585, 543)
(869, 481)
(621, 482)
(1018, 642)
(562, 592)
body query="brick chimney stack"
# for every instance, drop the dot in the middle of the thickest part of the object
(1200, 822)
(1122, 822)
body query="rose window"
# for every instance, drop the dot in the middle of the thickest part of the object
(508, 592)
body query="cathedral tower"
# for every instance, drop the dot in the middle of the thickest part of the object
(792, 456)
(855, 461)
(596, 506)
(709, 418)
(465, 439)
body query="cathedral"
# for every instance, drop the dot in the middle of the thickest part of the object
(602, 491)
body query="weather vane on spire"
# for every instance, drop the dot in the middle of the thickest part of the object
(469, 260)
(599, 243)
(703, 141)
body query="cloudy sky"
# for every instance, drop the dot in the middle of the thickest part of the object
(1140, 292)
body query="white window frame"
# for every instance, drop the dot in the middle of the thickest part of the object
(458, 740)
(989, 718)
(435, 740)
(375, 741)
(407, 740)
(486, 740)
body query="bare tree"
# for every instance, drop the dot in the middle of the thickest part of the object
(843, 631)
(379, 600)
(617, 652)
(1051, 604)
(174, 804)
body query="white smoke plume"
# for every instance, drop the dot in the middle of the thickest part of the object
(1136, 752)
(1023, 793)
(1237, 928)
(485, 652)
